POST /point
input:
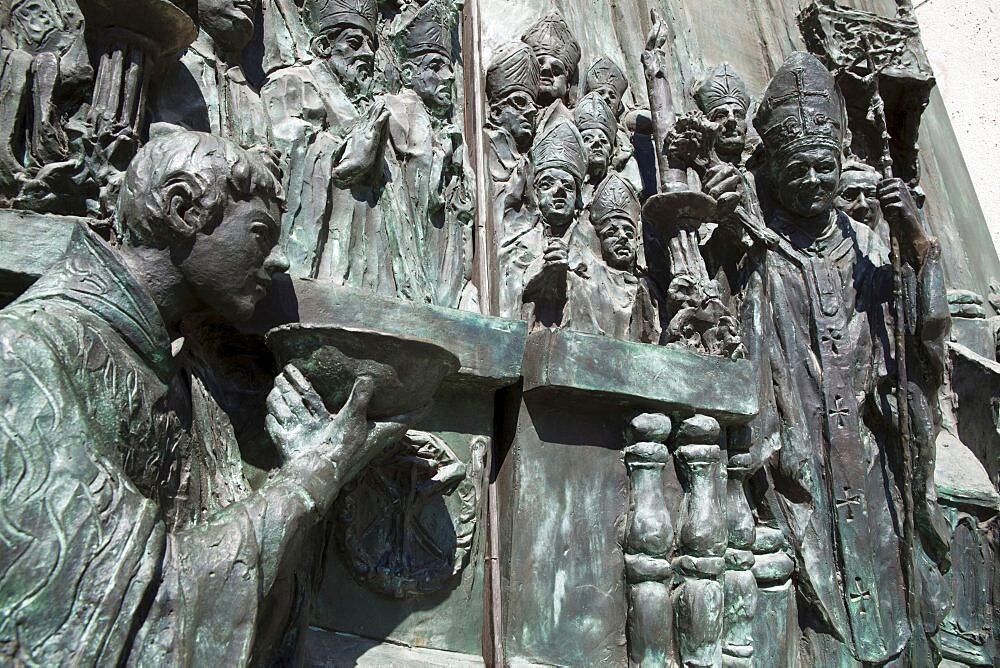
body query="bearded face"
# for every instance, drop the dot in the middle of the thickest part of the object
(432, 78)
(807, 181)
(350, 52)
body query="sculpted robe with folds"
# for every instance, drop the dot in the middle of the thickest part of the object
(204, 94)
(89, 445)
(613, 302)
(400, 231)
(818, 325)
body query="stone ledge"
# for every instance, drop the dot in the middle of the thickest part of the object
(29, 244)
(489, 348)
(665, 378)
(330, 648)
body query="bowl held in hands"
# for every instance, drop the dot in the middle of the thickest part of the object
(407, 372)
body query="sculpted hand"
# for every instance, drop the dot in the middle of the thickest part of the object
(900, 211)
(373, 133)
(303, 428)
(363, 145)
(724, 183)
(556, 254)
(658, 32)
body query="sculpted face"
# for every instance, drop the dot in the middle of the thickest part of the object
(857, 196)
(228, 22)
(231, 267)
(350, 51)
(516, 113)
(619, 242)
(732, 118)
(432, 78)
(807, 181)
(553, 79)
(556, 192)
(598, 152)
(35, 19)
(609, 95)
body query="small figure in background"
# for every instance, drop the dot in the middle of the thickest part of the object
(558, 55)
(615, 298)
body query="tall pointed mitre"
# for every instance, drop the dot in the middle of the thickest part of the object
(323, 15)
(429, 31)
(614, 197)
(550, 36)
(514, 68)
(605, 73)
(593, 113)
(558, 144)
(801, 108)
(721, 85)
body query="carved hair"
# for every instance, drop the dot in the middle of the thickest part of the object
(204, 170)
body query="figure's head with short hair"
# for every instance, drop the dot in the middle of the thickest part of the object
(215, 208)
(857, 194)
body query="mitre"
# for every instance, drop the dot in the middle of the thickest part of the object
(721, 85)
(326, 14)
(801, 108)
(605, 73)
(514, 68)
(550, 36)
(558, 144)
(593, 113)
(614, 197)
(429, 31)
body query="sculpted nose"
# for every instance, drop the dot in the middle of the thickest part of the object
(277, 261)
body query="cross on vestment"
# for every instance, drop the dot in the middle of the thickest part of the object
(849, 500)
(832, 336)
(839, 410)
(859, 595)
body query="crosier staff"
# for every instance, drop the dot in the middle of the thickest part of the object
(885, 166)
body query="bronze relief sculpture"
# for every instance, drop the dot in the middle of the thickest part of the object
(473, 332)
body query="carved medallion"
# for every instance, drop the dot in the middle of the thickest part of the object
(406, 524)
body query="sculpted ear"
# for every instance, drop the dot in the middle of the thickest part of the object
(321, 46)
(179, 207)
(406, 73)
